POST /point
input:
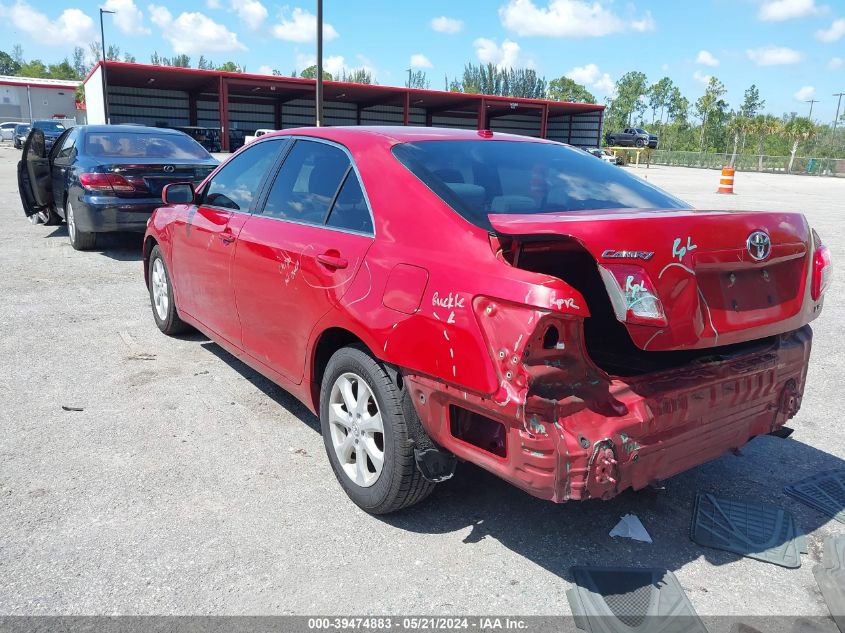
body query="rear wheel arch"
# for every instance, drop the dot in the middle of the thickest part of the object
(328, 342)
(149, 244)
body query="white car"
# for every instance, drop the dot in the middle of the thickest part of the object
(258, 134)
(605, 155)
(7, 130)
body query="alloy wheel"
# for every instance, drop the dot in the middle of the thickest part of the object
(357, 429)
(71, 222)
(161, 298)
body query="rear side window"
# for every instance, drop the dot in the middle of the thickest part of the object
(350, 210)
(236, 184)
(307, 183)
(479, 178)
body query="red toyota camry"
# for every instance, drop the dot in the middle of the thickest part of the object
(438, 294)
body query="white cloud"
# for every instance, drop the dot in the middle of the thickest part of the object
(127, 17)
(592, 77)
(701, 77)
(213, 4)
(265, 69)
(442, 24)
(835, 63)
(568, 18)
(194, 33)
(301, 27)
(805, 93)
(834, 33)
(706, 58)
(774, 55)
(504, 56)
(251, 12)
(72, 27)
(418, 60)
(780, 10)
(334, 65)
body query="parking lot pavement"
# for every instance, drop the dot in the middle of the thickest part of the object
(190, 484)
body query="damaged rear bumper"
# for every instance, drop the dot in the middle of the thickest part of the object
(597, 435)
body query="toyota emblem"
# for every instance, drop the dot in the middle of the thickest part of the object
(169, 169)
(759, 245)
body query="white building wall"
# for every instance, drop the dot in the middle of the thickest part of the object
(94, 102)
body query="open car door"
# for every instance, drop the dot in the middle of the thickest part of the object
(34, 179)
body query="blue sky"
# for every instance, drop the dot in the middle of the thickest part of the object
(792, 49)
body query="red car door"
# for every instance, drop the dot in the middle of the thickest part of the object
(204, 241)
(299, 255)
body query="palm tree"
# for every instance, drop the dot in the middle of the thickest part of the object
(798, 129)
(738, 126)
(763, 125)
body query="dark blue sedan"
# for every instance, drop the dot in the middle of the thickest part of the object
(103, 178)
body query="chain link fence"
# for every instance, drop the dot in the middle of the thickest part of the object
(746, 162)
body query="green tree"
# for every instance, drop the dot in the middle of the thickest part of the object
(566, 89)
(17, 54)
(8, 66)
(709, 103)
(311, 73)
(418, 79)
(658, 97)
(630, 88)
(798, 130)
(752, 104)
(129, 58)
(762, 126)
(79, 65)
(356, 76)
(62, 70)
(205, 64)
(489, 80)
(34, 68)
(180, 61)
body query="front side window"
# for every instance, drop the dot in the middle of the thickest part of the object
(478, 178)
(236, 184)
(68, 144)
(307, 183)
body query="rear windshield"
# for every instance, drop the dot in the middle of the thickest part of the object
(21, 129)
(478, 178)
(48, 126)
(143, 145)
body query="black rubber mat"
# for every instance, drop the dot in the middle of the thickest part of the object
(824, 491)
(625, 599)
(752, 529)
(830, 577)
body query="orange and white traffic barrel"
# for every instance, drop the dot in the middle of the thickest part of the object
(726, 182)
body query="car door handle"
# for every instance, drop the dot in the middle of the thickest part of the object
(227, 237)
(332, 261)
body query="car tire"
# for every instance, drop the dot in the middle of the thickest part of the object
(639, 142)
(161, 295)
(352, 433)
(80, 240)
(611, 141)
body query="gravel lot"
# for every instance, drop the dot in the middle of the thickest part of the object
(190, 484)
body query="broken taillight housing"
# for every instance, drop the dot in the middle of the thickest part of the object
(106, 183)
(632, 295)
(822, 269)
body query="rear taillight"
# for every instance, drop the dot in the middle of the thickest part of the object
(632, 295)
(822, 269)
(106, 183)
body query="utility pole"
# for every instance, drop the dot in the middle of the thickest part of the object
(409, 78)
(103, 69)
(318, 104)
(811, 102)
(838, 103)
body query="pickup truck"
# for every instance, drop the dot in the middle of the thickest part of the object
(258, 134)
(631, 137)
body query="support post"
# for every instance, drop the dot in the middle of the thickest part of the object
(318, 103)
(482, 114)
(406, 108)
(428, 118)
(277, 114)
(544, 121)
(223, 109)
(192, 108)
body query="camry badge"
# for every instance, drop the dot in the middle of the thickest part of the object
(612, 254)
(759, 245)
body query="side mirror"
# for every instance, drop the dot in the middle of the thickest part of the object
(178, 193)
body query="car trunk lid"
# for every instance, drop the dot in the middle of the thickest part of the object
(149, 178)
(721, 277)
